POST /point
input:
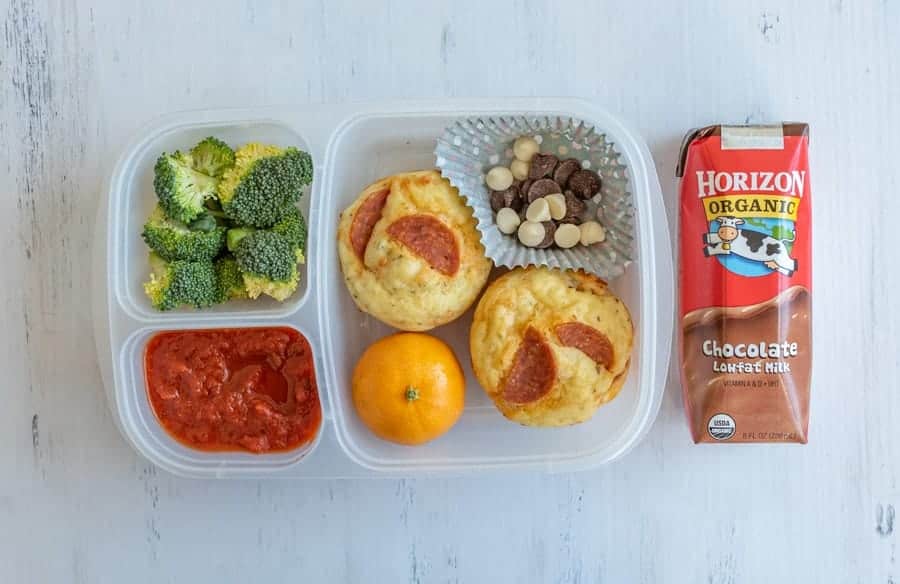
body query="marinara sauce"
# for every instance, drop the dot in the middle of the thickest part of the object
(234, 389)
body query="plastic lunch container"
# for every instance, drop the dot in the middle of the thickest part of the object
(352, 145)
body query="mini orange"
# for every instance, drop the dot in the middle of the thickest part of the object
(408, 388)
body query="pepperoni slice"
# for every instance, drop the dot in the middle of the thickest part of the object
(429, 239)
(588, 340)
(533, 370)
(367, 215)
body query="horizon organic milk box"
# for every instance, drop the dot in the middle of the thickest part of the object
(746, 282)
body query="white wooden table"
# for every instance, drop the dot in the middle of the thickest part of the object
(78, 505)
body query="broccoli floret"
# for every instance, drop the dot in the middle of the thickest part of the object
(181, 189)
(205, 221)
(280, 291)
(174, 240)
(231, 281)
(267, 254)
(235, 235)
(268, 261)
(293, 226)
(257, 190)
(212, 157)
(182, 283)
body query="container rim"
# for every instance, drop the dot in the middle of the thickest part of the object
(656, 279)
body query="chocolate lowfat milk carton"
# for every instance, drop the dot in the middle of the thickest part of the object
(746, 282)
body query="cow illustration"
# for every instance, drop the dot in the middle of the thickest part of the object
(749, 244)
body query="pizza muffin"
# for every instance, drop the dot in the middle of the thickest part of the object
(550, 346)
(410, 252)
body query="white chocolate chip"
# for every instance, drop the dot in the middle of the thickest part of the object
(531, 233)
(567, 235)
(557, 204)
(525, 147)
(592, 232)
(507, 220)
(499, 178)
(519, 169)
(538, 210)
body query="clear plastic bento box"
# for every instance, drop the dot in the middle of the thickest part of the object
(352, 145)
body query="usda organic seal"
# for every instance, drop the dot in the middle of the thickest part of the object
(721, 426)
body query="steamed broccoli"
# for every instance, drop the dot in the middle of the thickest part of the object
(205, 221)
(231, 281)
(181, 189)
(174, 240)
(178, 283)
(292, 225)
(212, 157)
(268, 261)
(257, 190)
(257, 285)
(235, 235)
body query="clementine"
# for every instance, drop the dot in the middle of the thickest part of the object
(408, 388)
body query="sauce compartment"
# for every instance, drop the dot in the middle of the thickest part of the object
(234, 389)
(143, 428)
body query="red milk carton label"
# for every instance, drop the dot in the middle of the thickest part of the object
(746, 282)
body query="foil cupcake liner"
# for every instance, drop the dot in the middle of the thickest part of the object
(469, 148)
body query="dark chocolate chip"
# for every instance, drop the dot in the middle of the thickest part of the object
(542, 165)
(574, 208)
(523, 190)
(564, 171)
(549, 232)
(497, 200)
(514, 199)
(541, 188)
(584, 183)
(525, 185)
(508, 198)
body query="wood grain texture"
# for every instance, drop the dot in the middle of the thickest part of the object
(77, 79)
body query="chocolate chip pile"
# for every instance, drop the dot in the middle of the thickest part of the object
(542, 199)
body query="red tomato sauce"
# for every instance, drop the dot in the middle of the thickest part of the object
(234, 389)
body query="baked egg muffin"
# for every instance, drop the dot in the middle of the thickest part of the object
(550, 346)
(410, 252)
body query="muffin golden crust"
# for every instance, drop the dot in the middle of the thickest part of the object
(550, 346)
(410, 252)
